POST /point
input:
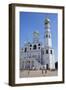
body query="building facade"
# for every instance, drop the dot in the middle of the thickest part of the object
(35, 55)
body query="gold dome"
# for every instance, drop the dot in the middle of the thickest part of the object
(36, 33)
(47, 20)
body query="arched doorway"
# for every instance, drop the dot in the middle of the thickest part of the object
(47, 66)
(34, 47)
(56, 65)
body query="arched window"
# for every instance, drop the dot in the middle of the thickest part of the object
(34, 47)
(39, 44)
(30, 45)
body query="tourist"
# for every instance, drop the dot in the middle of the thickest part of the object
(45, 69)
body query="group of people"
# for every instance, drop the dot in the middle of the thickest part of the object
(43, 69)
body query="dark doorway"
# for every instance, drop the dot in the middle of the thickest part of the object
(46, 51)
(34, 47)
(56, 65)
(25, 49)
(47, 66)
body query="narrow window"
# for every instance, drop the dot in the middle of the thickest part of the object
(46, 36)
(38, 44)
(50, 51)
(46, 51)
(30, 45)
(25, 49)
(30, 48)
(38, 47)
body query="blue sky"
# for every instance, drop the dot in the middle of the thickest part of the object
(31, 21)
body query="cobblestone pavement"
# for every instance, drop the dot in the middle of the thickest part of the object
(37, 73)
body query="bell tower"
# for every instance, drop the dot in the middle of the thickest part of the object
(47, 35)
(48, 56)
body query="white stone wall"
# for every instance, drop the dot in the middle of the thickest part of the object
(48, 42)
(49, 58)
(38, 56)
(52, 60)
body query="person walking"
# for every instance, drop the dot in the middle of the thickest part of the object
(45, 69)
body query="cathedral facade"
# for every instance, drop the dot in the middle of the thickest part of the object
(35, 55)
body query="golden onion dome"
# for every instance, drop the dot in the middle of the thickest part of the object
(47, 20)
(36, 33)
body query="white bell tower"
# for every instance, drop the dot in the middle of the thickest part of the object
(47, 35)
(48, 57)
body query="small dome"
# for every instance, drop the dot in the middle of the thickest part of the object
(47, 20)
(36, 33)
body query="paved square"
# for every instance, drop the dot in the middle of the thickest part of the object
(37, 73)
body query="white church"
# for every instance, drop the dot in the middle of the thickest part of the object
(36, 55)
